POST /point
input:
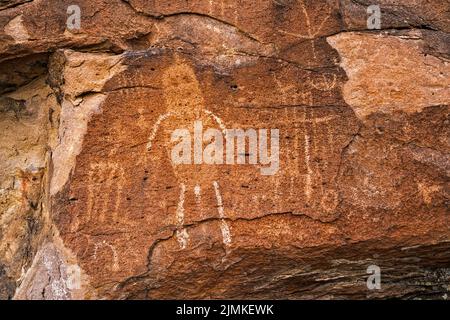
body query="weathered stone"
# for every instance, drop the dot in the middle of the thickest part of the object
(51, 277)
(399, 65)
(17, 73)
(93, 204)
(26, 131)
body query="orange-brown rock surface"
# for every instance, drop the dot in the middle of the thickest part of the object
(93, 205)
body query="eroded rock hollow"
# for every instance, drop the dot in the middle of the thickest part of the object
(120, 176)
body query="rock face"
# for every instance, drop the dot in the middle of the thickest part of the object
(347, 164)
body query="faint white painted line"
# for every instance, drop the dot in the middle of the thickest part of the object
(226, 234)
(155, 128)
(115, 265)
(218, 120)
(182, 235)
(167, 115)
(308, 184)
(198, 194)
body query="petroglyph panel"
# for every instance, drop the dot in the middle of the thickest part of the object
(135, 180)
(126, 190)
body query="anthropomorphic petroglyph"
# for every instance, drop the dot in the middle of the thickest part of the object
(185, 105)
(312, 31)
(104, 245)
(325, 84)
(104, 179)
(290, 94)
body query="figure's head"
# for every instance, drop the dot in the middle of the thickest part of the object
(181, 90)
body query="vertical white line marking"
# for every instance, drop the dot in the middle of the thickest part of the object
(182, 235)
(309, 172)
(226, 234)
(198, 194)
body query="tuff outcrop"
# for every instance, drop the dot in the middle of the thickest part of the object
(92, 205)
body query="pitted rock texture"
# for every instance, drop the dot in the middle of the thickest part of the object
(94, 207)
